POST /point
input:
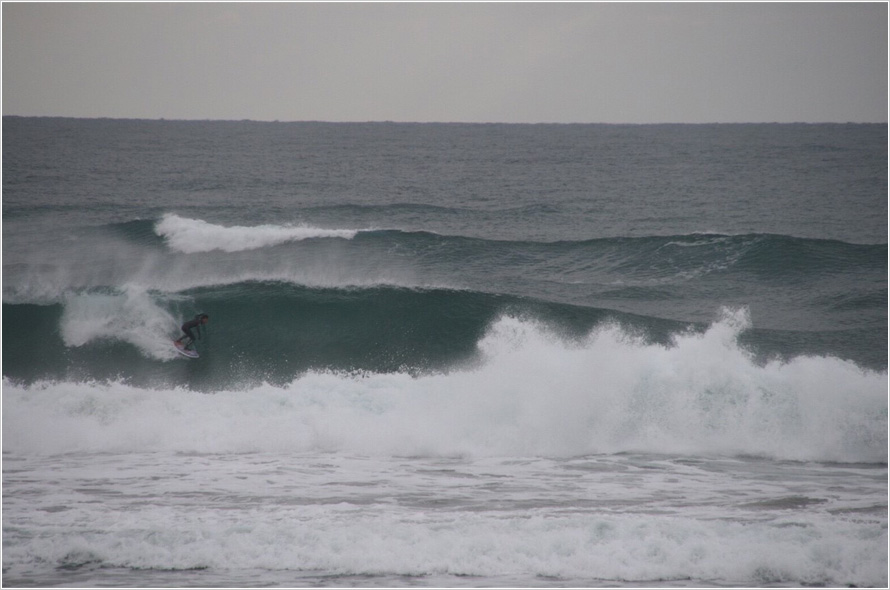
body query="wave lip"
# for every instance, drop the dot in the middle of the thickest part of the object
(190, 236)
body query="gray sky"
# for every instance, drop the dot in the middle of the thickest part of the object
(579, 62)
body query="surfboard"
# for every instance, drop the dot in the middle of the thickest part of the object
(192, 354)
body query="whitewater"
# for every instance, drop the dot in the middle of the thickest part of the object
(444, 355)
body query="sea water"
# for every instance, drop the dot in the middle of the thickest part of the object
(444, 355)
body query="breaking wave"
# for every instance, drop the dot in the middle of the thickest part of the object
(527, 391)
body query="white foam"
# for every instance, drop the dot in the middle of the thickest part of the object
(346, 539)
(532, 394)
(195, 235)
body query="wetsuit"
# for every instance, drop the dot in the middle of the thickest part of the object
(187, 328)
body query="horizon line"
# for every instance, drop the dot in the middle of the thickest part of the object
(394, 122)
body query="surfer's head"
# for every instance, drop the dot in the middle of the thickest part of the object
(203, 317)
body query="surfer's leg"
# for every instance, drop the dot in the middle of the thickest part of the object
(187, 335)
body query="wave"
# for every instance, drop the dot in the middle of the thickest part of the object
(274, 331)
(765, 251)
(174, 253)
(763, 254)
(529, 392)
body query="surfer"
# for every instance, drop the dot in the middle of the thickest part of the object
(195, 324)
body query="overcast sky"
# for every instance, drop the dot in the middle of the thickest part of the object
(579, 62)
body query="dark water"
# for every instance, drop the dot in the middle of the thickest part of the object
(430, 321)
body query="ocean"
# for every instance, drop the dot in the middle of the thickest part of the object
(444, 355)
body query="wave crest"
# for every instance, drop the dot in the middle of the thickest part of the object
(190, 236)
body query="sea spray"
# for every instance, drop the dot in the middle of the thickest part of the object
(132, 316)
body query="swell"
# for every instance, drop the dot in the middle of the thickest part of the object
(767, 254)
(763, 257)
